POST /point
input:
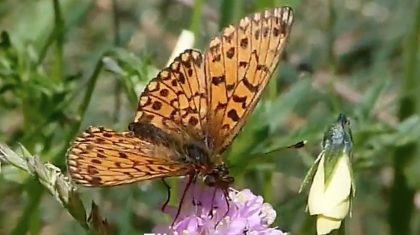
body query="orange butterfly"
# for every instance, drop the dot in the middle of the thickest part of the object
(191, 112)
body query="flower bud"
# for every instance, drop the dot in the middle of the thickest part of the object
(332, 186)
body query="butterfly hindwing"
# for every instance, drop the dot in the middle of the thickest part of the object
(176, 99)
(102, 157)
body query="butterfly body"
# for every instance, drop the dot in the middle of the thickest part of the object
(190, 113)
(191, 152)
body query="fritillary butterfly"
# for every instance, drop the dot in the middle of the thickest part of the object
(191, 112)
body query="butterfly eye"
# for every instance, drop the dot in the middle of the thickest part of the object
(209, 180)
(228, 180)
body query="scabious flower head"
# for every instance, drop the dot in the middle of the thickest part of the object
(205, 212)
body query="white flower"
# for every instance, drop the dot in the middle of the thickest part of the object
(331, 178)
(330, 199)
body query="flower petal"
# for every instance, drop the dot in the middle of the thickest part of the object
(339, 211)
(331, 198)
(246, 213)
(316, 203)
(325, 225)
(339, 187)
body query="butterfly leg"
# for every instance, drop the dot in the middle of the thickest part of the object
(212, 203)
(187, 186)
(194, 201)
(227, 199)
(168, 188)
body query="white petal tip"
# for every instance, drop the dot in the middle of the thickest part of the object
(325, 225)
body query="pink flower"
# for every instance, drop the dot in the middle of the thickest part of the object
(246, 214)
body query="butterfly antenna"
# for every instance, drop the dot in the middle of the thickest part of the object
(296, 145)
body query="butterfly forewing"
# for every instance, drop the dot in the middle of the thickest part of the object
(102, 157)
(238, 65)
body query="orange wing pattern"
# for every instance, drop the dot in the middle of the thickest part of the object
(176, 99)
(198, 100)
(102, 157)
(211, 98)
(238, 65)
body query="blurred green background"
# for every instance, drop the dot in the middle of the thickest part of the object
(357, 57)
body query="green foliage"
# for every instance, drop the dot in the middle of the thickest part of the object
(66, 65)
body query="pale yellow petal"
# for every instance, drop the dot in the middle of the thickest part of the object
(338, 189)
(325, 225)
(339, 211)
(316, 203)
(331, 199)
